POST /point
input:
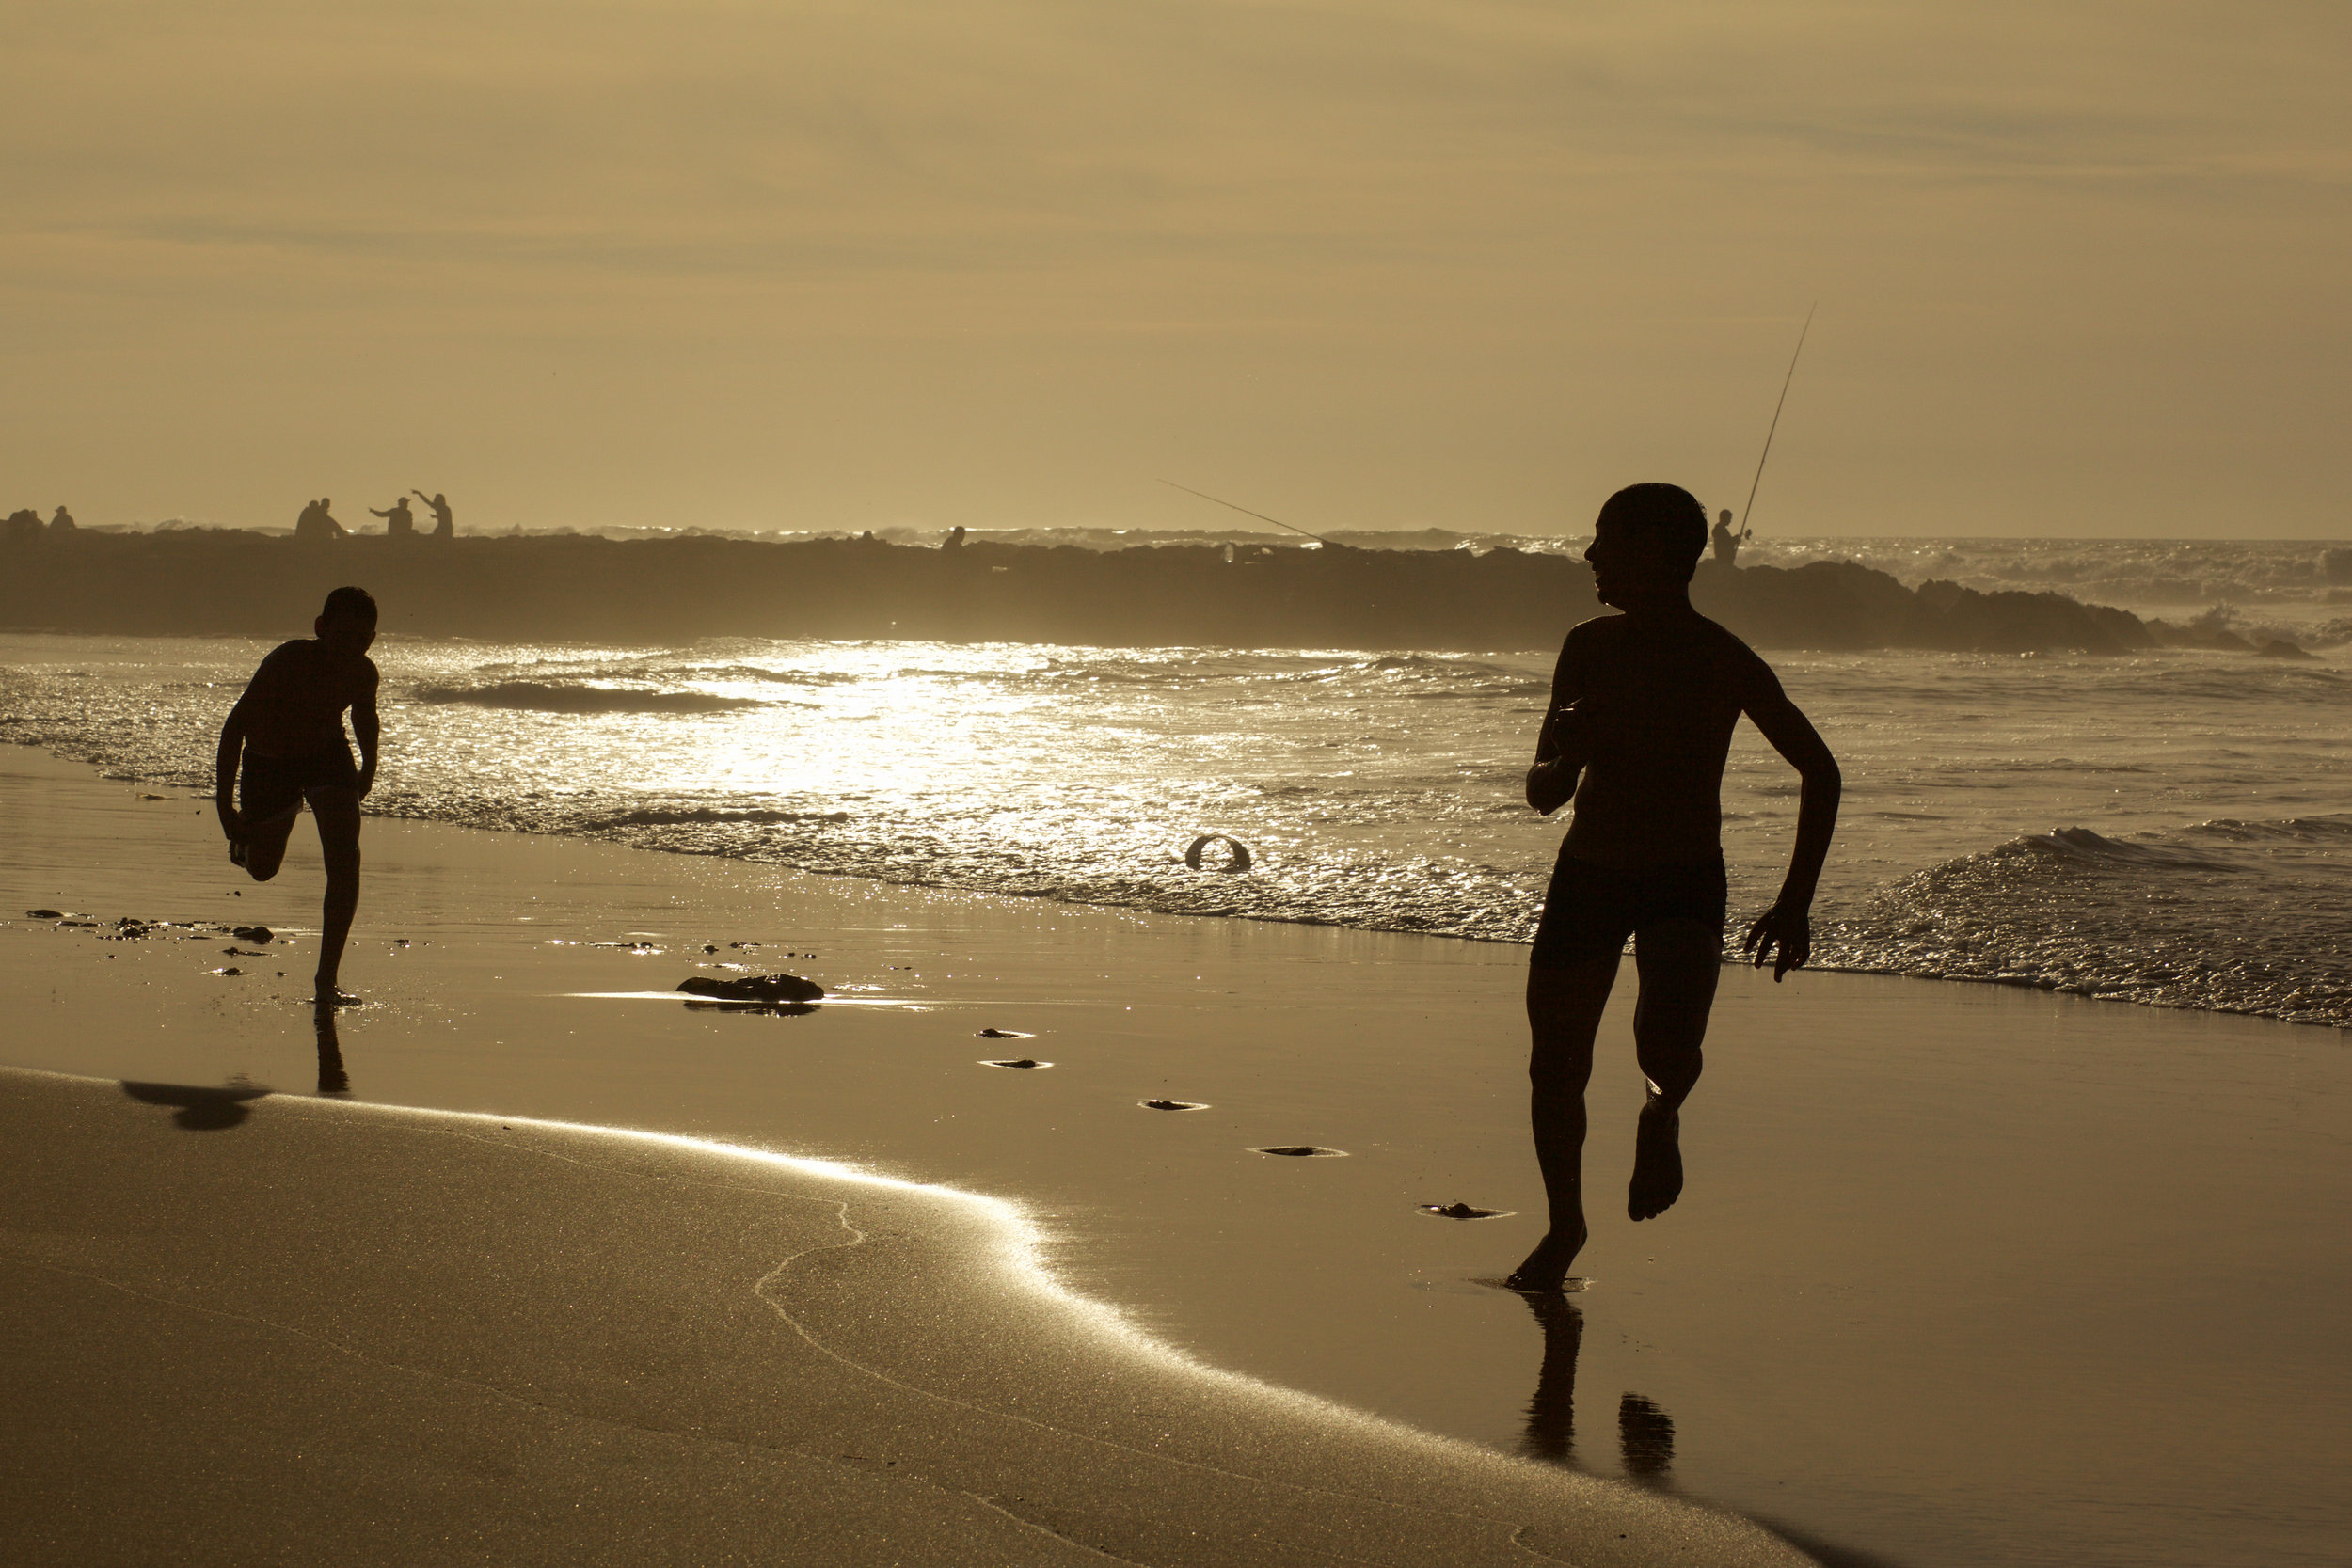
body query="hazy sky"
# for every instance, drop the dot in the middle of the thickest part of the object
(1004, 263)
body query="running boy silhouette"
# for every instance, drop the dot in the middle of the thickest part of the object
(286, 730)
(1643, 707)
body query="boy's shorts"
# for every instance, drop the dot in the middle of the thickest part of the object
(273, 787)
(1591, 910)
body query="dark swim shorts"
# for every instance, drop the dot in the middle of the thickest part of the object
(271, 787)
(1592, 908)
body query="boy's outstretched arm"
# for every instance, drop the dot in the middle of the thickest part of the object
(225, 768)
(1562, 746)
(1787, 925)
(1561, 753)
(369, 729)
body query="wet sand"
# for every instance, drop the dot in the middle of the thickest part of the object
(304, 1332)
(1962, 1275)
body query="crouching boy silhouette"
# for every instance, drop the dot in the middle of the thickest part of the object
(283, 745)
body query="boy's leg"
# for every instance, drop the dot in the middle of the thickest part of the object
(337, 812)
(1680, 962)
(262, 849)
(1564, 1009)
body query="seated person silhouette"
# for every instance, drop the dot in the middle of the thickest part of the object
(399, 522)
(62, 522)
(316, 522)
(284, 744)
(1643, 704)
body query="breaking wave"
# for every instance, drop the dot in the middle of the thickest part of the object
(2231, 916)
(565, 697)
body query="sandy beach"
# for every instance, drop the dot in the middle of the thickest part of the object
(1964, 1274)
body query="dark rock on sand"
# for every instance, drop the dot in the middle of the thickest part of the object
(252, 933)
(44, 914)
(1018, 1062)
(1300, 1151)
(1460, 1211)
(1172, 1104)
(1005, 1035)
(756, 988)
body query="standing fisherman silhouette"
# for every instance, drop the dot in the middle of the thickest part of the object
(1643, 706)
(285, 737)
(1728, 540)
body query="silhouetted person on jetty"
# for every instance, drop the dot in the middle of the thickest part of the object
(317, 523)
(63, 522)
(1643, 706)
(399, 523)
(1727, 541)
(284, 744)
(444, 519)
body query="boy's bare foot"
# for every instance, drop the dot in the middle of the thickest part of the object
(1657, 1162)
(1546, 1269)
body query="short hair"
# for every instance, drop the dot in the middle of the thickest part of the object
(357, 603)
(1668, 511)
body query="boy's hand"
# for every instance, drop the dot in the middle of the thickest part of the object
(1788, 929)
(231, 824)
(367, 782)
(1551, 786)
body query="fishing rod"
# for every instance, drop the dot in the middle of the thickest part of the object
(1260, 516)
(1744, 529)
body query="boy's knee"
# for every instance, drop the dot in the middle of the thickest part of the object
(1555, 1079)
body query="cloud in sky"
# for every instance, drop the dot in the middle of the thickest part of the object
(1004, 261)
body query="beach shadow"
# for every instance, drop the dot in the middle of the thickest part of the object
(1645, 1441)
(200, 1109)
(1550, 1434)
(1645, 1433)
(332, 1078)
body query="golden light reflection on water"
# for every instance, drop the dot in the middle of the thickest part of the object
(1373, 790)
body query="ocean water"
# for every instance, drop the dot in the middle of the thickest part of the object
(2170, 829)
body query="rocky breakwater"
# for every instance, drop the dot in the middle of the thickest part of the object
(1838, 605)
(569, 588)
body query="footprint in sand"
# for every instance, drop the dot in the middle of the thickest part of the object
(1018, 1062)
(1303, 1152)
(1172, 1104)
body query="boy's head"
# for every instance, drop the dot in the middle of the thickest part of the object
(347, 622)
(1648, 534)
